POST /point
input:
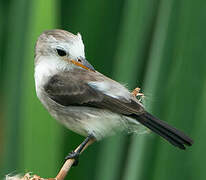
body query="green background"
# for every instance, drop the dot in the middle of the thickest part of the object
(158, 45)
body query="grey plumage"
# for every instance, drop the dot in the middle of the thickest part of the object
(86, 101)
(67, 89)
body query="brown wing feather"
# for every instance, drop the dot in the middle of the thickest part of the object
(71, 88)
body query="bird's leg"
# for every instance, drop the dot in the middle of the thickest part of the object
(75, 154)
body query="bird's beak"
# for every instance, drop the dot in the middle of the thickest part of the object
(83, 63)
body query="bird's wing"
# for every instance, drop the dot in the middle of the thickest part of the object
(87, 88)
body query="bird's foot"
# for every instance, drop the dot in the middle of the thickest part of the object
(73, 155)
(136, 93)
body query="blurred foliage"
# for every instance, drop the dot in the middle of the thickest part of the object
(157, 45)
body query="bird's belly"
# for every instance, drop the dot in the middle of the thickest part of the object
(88, 120)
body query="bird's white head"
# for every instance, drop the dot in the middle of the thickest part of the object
(62, 48)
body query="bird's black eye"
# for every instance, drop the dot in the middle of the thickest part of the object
(61, 52)
(79, 60)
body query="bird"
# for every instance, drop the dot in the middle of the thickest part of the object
(86, 101)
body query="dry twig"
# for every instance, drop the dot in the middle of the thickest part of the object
(68, 164)
(60, 176)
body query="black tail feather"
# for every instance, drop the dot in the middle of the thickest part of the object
(171, 134)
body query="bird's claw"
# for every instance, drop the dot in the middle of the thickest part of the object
(136, 93)
(73, 155)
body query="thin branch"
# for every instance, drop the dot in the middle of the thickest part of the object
(62, 173)
(68, 164)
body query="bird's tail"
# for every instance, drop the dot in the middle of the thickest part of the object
(171, 134)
